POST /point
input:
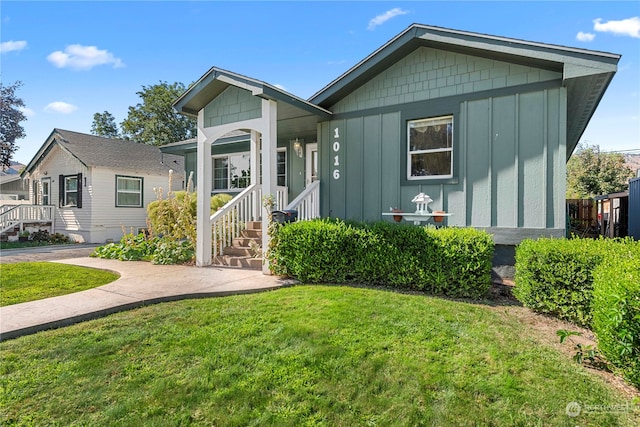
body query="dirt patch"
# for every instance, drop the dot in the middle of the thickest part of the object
(544, 330)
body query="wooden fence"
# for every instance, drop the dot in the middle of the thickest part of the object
(582, 217)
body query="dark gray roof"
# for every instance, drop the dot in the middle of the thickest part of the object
(96, 151)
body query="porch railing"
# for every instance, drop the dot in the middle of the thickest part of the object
(19, 214)
(308, 202)
(229, 221)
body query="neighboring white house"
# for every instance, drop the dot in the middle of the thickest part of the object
(98, 186)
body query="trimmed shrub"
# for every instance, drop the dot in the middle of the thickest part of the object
(449, 261)
(555, 276)
(616, 310)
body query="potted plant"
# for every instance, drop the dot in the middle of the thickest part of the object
(23, 236)
(438, 218)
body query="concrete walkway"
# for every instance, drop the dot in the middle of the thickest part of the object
(140, 283)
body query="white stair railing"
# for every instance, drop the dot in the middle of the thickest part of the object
(229, 221)
(308, 202)
(19, 214)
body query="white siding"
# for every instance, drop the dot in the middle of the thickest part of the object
(74, 222)
(109, 221)
(98, 219)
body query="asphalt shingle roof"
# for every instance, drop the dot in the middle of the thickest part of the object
(96, 151)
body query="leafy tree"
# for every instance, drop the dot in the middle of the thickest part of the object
(154, 121)
(591, 173)
(104, 124)
(10, 118)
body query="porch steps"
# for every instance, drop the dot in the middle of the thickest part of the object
(10, 234)
(241, 254)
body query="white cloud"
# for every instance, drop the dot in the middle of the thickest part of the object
(11, 45)
(382, 18)
(80, 57)
(625, 27)
(585, 37)
(60, 107)
(28, 112)
(279, 86)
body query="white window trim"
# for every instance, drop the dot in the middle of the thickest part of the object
(213, 172)
(431, 151)
(286, 167)
(42, 192)
(66, 191)
(140, 193)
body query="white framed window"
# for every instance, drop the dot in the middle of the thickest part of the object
(45, 191)
(430, 148)
(70, 191)
(129, 191)
(281, 167)
(231, 171)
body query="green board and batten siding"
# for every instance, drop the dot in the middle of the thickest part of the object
(509, 144)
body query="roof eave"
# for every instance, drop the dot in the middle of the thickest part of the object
(553, 57)
(216, 80)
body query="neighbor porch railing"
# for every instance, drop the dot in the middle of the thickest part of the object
(308, 202)
(229, 221)
(17, 215)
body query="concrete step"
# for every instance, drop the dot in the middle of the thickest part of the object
(254, 225)
(246, 241)
(238, 262)
(251, 234)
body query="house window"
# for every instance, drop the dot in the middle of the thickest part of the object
(70, 191)
(281, 167)
(128, 192)
(46, 191)
(231, 171)
(430, 153)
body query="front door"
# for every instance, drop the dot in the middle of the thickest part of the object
(46, 191)
(311, 169)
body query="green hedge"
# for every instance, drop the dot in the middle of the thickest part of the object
(555, 276)
(595, 283)
(448, 261)
(616, 310)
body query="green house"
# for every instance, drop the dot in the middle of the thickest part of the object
(481, 124)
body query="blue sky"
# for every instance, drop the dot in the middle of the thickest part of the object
(78, 58)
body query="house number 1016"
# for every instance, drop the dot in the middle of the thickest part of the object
(336, 158)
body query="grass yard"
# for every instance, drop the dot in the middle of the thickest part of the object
(306, 355)
(29, 281)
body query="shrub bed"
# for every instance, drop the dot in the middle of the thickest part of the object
(616, 310)
(594, 283)
(164, 250)
(449, 261)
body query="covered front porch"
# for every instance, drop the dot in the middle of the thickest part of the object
(274, 120)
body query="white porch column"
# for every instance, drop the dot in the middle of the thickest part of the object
(203, 209)
(269, 147)
(255, 170)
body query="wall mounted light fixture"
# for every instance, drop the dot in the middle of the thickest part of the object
(297, 146)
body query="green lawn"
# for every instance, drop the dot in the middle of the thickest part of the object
(307, 355)
(29, 281)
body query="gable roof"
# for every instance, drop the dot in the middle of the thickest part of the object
(216, 80)
(96, 151)
(586, 73)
